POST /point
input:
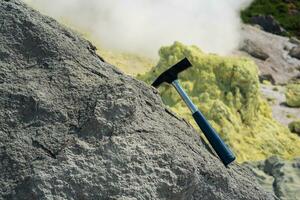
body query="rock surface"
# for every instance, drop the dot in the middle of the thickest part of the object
(279, 177)
(294, 126)
(268, 23)
(280, 66)
(280, 110)
(292, 95)
(74, 127)
(254, 50)
(295, 52)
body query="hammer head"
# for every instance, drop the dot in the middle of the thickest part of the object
(171, 74)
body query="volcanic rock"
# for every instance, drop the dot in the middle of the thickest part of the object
(294, 40)
(268, 23)
(280, 65)
(295, 52)
(254, 50)
(294, 127)
(74, 127)
(278, 176)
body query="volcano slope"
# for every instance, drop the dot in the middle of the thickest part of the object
(227, 91)
(74, 127)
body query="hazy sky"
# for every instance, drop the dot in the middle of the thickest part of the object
(142, 26)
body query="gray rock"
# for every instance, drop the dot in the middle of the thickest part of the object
(294, 126)
(254, 50)
(295, 52)
(268, 23)
(278, 176)
(74, 127)
(294, 40)
(279, 65)
(266, 77)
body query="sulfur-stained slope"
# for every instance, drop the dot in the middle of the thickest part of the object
(226, 90)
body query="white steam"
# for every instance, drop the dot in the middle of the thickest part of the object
(143, 26)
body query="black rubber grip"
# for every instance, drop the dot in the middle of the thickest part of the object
(224, 153)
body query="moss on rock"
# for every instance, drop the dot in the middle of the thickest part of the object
(226, 90)
(292, 95)
(295, 126)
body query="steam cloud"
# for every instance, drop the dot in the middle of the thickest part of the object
(143, 26)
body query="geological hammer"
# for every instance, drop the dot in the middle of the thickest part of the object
(171, 76)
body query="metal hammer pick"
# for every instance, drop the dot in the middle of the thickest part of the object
(170, 76)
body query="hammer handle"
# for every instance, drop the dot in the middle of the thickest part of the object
(214, 139)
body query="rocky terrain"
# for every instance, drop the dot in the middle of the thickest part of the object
(228, 92)
(215, 90)
(278, 60)
(280, 111)
(278, 176)
(275, 55)
(75, 127)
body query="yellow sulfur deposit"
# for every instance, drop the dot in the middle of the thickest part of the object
(129, 63)
(292, 95)
(226, 90)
